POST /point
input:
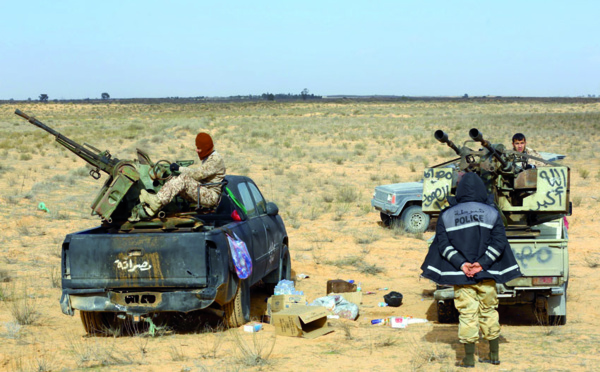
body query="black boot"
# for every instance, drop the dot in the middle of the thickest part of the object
(469, 359)
(494, 357)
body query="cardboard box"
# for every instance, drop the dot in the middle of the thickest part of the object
(354, 297)
(282, 302)
(301, 321)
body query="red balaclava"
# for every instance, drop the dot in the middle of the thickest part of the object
(204, 142)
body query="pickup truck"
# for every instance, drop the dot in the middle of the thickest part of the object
(400, 204)
(117, 277)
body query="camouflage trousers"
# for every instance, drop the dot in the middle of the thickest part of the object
(476, 305)
(187, 187)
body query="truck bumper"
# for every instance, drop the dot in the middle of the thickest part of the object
(137, 303)
(556, 296)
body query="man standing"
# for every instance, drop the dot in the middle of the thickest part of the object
(519, 143)
(211, 171)
(471, 252)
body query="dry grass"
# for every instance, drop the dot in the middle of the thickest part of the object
(254, 353)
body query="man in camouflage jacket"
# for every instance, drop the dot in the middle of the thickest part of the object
(211, 171)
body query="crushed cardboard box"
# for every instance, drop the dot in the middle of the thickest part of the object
(301, 321)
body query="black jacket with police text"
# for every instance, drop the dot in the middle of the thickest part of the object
(470, 230)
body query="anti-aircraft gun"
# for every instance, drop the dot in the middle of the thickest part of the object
(532, 202)
(120, 193)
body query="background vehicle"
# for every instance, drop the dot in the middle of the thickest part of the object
(533, 204)
(401, 203)
(121, 273)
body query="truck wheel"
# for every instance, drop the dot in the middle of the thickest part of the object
(385, 218)
(237, 312)
(447, 312)
(557, 320)
(286, 265)
(92, 322)
(414, 220)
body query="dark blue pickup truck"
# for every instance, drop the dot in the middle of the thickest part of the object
(176, 264)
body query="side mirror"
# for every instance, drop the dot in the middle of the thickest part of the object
(272, 209)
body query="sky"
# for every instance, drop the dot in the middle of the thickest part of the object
(178, 48)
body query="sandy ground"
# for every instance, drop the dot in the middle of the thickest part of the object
(29, 262)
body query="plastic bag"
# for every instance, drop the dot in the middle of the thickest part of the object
(240, 255)
(338, 305)
(286, 287)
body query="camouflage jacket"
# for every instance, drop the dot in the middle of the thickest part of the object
(211, 170)
(532, 152)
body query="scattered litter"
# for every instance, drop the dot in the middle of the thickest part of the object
(369, 292)
(42, 207)
(382, 289)
(398, 321)
(302, 276)
(286, 287)
(382, 304)
(338, 305)
(252, 327)
(340, 286)
(331, 316)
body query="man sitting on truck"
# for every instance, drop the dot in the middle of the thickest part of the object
(471, 252)
(207, 176)
(519, 143)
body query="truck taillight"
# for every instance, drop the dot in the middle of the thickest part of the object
(544, 280)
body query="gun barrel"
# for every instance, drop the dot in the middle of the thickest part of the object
(476, 135)
(102, 161)
(441, 136)
(36, 122)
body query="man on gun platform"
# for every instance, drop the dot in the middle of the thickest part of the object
(211, 171)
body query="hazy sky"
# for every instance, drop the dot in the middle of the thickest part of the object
(79, 49)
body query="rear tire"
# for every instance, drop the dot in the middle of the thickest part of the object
(237, 312)
(106, 323)
(92, 322)
(447, 312)
(557, 320)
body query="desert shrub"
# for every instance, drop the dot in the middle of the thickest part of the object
(253, 354)
(347, 194)
(24, 307)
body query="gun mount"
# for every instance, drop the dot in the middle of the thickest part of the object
(526, 197)
(126, 178)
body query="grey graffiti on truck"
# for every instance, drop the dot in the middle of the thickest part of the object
(542, 255)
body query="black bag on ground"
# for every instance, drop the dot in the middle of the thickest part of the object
(393, 299)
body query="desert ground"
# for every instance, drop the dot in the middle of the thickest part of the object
(319, 162)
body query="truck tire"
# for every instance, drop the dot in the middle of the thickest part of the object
(447, 312)
(285, 270)
(237, 312)
(92, 322)
(556, 320)
(414, 220)
(385, 218)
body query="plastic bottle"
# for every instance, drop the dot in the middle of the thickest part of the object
(383, 321)
(382, 304)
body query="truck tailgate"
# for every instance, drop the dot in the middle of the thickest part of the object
(135, 261)
(541, 257)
